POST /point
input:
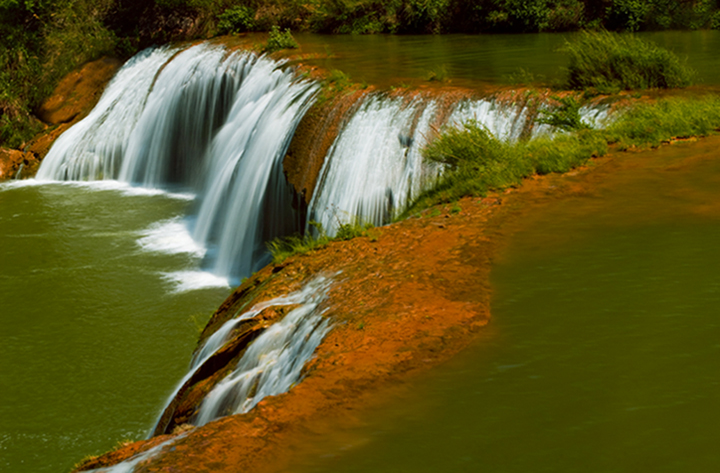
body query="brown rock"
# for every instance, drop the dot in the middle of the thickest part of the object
(78, 92)
(12, 161)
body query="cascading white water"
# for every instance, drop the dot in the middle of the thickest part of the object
(188, 102)
(504, 121)
(247, 200)
(95, 147)
(203, 120)
(313, 291)
(272, 363)
(375, 167)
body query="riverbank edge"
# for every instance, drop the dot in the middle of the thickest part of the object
(401, 304)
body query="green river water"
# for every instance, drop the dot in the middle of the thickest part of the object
(603, 351)
(93, 337)
(474, 60)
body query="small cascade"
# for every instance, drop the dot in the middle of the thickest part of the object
(273, 363)
(313, 291)
(375, 166)
(506, 121)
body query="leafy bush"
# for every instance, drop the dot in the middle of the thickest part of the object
(237, 19)
(628, 14)
(609, 62)
(278, 40)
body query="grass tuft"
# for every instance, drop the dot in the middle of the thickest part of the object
(650, 124)
(609, 62)
(284, 247)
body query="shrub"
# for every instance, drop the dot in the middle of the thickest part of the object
(278, 40)
(608, 62)
(236, 20)
(628, 14)
(566, 116)
(437, 74)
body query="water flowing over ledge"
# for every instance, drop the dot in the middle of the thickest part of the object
(202, 120)
(217, 125)
(271, 363)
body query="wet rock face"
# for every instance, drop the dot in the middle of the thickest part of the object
(17, 164)
(73, 98)
(78, 92)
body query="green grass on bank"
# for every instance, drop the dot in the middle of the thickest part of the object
(648, 125)
(283, 248)
(477, 162)
(608, 62)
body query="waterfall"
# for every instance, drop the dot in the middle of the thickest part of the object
(94, 147)
(272, 364)
(247, 199)
(375, 166)
(374, 169)
(202, 120)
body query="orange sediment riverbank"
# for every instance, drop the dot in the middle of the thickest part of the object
(408, 298)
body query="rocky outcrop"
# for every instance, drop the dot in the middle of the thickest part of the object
(73, 98)
(78, 92)
(17, 164)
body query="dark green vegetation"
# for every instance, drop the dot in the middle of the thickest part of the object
(467, 16)
(607, 62)
(45, 39)
(278, 40)
(477, 162)
(283, 248)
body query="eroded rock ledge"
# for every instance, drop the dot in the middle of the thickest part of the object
(407, 298)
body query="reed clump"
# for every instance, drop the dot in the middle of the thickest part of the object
(609, 62)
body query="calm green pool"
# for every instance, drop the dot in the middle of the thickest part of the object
(94, 335)
(473, 60)
(603, 352)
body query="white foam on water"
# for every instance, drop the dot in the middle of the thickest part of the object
(170, 237)
(106, 185)
(186, 281)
